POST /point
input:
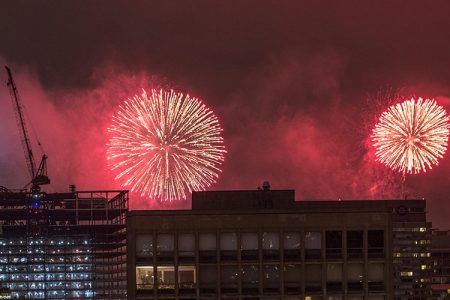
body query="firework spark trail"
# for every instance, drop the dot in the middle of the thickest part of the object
(165, 144)
(412, 136)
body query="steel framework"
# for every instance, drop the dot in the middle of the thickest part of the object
(63, 245)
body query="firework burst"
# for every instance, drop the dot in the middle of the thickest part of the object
(411, 136)
(165, 144)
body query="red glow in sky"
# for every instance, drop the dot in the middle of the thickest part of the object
(287, 80)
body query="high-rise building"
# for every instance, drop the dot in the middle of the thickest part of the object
(412, 262)
(265, 245)
(63, 245)
(440, 255)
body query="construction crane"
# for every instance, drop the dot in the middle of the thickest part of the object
(38, 175)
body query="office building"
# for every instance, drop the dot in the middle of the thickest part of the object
(265, 245)
(440, 254)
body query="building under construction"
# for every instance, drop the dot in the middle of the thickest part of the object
(63, 245)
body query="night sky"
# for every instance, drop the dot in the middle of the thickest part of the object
(297, 87)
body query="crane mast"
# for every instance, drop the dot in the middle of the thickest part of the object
(38, 176)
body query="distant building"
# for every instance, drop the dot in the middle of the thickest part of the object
(264, 245)
(411, 250)
(63, 245)
(440, 254)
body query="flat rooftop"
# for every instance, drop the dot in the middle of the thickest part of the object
(283, 200)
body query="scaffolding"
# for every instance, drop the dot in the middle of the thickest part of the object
(63, 245)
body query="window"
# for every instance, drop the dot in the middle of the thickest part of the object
(249, 246)
(375, 243)
(313, 245)
(271, 245)
(144, 277)
(166, 277)
(165, 247)
(144, 246)
(333, 244)
(229, 279)
(291, 244)
(355, 277)
(334, 277)
(250, 279)
(186, 279)
(228, 246)
(355, 244)
(271, 277)
(313, 278)
(186, 247)
(207, 279)
(292, 278)
(375, 276)
(207, 247)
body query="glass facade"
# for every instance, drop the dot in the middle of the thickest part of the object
(65, 246)
(261, 263)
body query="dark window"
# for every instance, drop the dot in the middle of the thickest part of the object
(292, 279)
(228, 246)
(355, 244)
(249, 246)
(333, 244)
(208, 279)
(229, 279)
(271, 275)
(313, 278)
(250, 279)
(375, 243)
(313, 245)
(271, 245)
(165, 247)
(207, 247)
(291, 242)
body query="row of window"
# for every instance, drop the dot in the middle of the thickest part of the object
(250, 242)
(251, 276)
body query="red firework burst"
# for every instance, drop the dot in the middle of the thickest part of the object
(411, 136)
(165, 144)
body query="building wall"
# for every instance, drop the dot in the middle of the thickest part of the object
(335, 252)
(440, 254)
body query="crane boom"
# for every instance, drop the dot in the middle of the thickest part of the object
(38, 176)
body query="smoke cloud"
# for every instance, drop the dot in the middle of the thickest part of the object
(295, 87)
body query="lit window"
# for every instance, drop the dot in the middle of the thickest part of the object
(423, 267)
(408, 274)
(166, 277)
(422, 229)
(144, 277)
